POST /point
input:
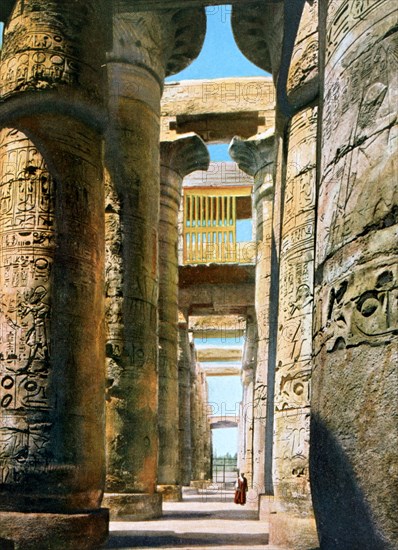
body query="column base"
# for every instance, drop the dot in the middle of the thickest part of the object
(133, 506)
(265, 507)
(201, 484)
(290, 531)
(170, 493)
(30, 531)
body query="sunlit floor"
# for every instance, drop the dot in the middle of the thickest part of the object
(206, 520)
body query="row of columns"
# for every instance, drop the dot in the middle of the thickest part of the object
(332, 255)
(58, 192)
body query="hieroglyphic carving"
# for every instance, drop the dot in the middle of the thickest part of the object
(360, 308)
(360, 107)
(293, 371)
(42, 47)
(304, 63)
(27, 245)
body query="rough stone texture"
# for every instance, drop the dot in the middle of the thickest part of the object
(200, 426)
(291, 521)
(355, 381)
(184, 400)
(170, 493)
(258, 32)
(49, 45)
(146, 47)
(133, 507)
(302, 79)
(256, 157)
(178, 158)
(245, 446)
(51, 275)
(21, 531)
(218, 109)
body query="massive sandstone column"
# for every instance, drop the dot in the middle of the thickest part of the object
(292, 523)
(354, 428)
(51, 276)
(184, 400)
(256, 158)
(146, 47)
(245, 457)
(177, 159)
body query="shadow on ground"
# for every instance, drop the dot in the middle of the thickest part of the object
(169, 539)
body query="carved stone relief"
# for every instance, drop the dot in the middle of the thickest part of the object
(26, 256)
(359, 130)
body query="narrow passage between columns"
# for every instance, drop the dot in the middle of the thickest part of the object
(204, 519)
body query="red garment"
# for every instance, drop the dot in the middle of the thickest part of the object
(240, 491)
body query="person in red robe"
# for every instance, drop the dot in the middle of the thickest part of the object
(240, 490)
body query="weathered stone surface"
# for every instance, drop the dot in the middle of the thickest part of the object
(200, 425)
(133, 507)
(258, 32)
(256, 157)
(355, 381)
(184, 400)
(291, 521)
(302, 80)
(218, 109)
(245, 448)
(170, 493)
(52, 453)
(178, 158)
(48, 45)
(86, 531)
(146, 47)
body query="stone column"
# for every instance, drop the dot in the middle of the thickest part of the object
(200, 432)
(354, 429)
(177, 159)
(51, 275)
(184, 400)
(246, 413)
(146, 48)
(256, 158)
(292, 522)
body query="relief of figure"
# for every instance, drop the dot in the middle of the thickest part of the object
(303, 299)
(36, 336)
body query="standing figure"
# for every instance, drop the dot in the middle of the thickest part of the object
(240, 489)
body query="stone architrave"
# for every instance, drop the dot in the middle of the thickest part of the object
(146, 48)
(184, 400)
(177, 159)
(292, 522)
(52, 378)
(256, 158)
(354, 428)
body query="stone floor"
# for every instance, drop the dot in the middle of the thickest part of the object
(203, 520)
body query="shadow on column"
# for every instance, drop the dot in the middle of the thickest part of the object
(343, 519)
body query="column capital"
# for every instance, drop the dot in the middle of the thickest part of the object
(256, 157)
(164, 43)
(185, 154)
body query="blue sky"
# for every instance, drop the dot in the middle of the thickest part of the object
(220, 57)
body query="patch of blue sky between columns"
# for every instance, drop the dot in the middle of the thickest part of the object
(220, 58)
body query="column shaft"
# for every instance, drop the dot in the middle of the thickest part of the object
(51, 275)
(354, 429)
(184, 404)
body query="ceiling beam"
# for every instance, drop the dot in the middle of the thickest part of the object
(154, 5)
